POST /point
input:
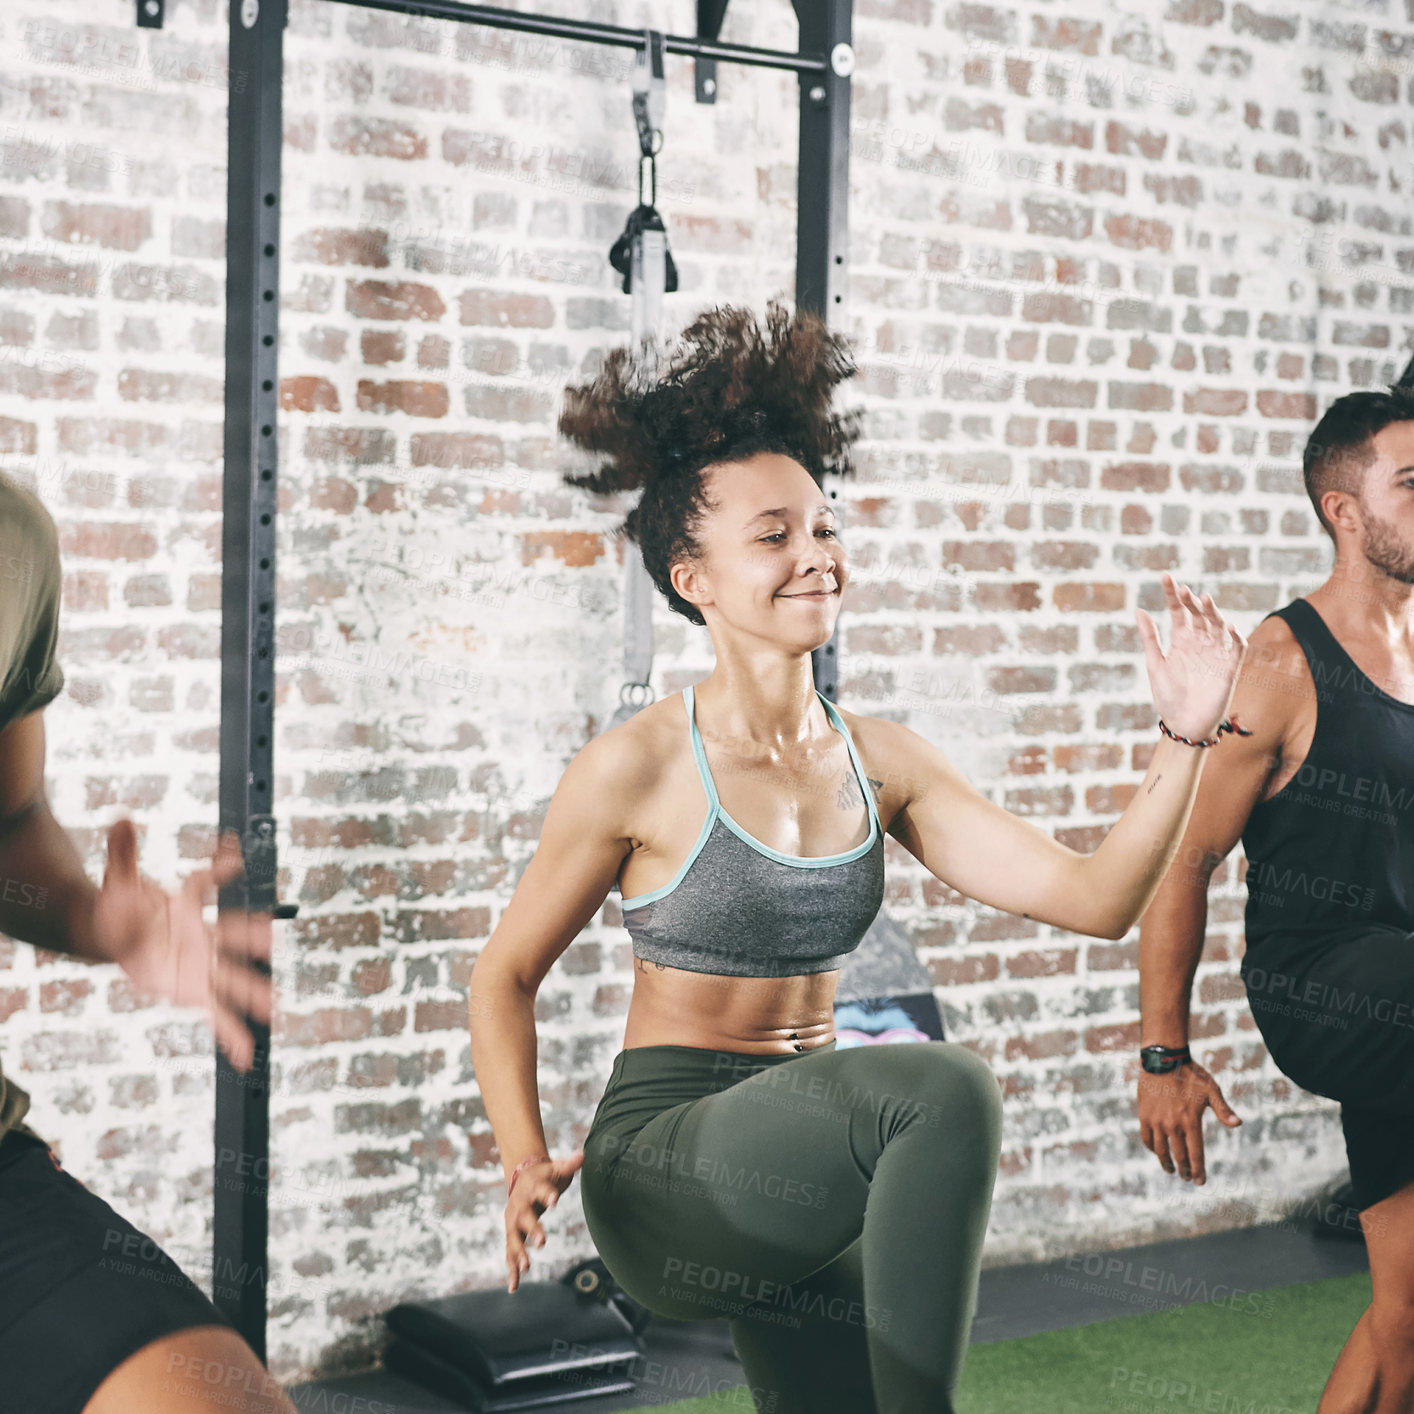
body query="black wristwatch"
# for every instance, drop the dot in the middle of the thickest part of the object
(1160, 1060)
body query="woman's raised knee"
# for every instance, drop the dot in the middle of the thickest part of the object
(968, 1082)
(952, 1087)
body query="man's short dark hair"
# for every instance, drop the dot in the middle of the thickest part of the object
(1341, 446)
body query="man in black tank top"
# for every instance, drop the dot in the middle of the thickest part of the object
(1322, 796)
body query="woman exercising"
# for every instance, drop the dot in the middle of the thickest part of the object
(831, 1204)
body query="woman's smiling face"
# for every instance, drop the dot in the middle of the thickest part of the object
(773, 563)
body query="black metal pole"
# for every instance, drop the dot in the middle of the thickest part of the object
(710, 14)
(554, 27)
(242, 1127)
(822, 205)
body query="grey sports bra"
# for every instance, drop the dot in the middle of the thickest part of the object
(738, 908)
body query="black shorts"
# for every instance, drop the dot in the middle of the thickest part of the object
(1337, 1015)
(81, 1288)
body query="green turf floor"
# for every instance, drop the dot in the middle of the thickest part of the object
(1266, 1352)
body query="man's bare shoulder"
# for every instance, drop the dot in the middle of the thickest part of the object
(1275, 667)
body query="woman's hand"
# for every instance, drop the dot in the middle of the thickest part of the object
(537, 1189)
(1193, 683)
(165, 945)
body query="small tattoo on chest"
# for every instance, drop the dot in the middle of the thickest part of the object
(849, 795)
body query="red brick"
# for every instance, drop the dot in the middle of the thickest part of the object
(1195, 12)
(973, 640)
(1043, 1045)
(417, 399)
(979, 555)
(1094, 598)
(379, 346)
(1048, 962)
(1136, 476)
(1058, 392)
(335, 246)
(308, 393)
(94, 541)
(1098, 756)
(506, 310)
(1123, 1036)
(1138, 233)
(116, 227)
(1216, 402)
(1013, 596)
(1112, 957)
(375, 137)
(574, 548)
(1273, 403)
(456, 450)
(381, 299)
(961, 971)
(1125, 141)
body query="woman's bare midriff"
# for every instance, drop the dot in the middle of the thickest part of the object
(808, 806)
(754, 1015)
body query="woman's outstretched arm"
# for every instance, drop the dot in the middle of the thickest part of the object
(1004, 861)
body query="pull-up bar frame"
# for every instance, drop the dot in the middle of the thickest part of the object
(823, 64)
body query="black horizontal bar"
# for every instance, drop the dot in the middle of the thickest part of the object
(591, 33)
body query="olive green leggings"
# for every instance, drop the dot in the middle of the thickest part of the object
(830, 1205)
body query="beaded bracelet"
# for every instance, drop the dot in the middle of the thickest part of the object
(533, 1159)
(1223, 726)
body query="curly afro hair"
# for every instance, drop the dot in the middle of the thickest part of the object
(726, 390)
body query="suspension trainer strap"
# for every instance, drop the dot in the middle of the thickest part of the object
(648, 256)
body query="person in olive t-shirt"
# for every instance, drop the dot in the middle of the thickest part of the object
(32, 678)
(82, 1332)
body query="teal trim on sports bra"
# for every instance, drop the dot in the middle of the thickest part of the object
(715, 811)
